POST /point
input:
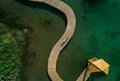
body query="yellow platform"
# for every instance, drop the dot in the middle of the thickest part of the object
(98, 65)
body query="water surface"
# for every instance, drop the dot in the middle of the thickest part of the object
(97, 34)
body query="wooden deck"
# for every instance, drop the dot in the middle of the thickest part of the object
(63, 41)
(84, 75)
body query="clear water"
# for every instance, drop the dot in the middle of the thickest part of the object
(97, 34)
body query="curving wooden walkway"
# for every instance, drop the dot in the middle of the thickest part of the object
(62, 42)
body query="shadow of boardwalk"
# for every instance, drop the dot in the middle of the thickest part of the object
(41, 5)
(85, 74)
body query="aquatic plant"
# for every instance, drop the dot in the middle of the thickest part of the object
(45, 22)
(2, 12)
(94, 2)
(113, 35)
(93, 42)
(11, 51)
(114, 5)
(11, 18)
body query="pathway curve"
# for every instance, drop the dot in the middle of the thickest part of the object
(65, 38)
(71, 22)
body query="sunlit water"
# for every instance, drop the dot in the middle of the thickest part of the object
(97, 34)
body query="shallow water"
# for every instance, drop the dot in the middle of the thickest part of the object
(97, 34)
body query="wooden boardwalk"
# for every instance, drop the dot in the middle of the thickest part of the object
(84, 75)
(63, 41)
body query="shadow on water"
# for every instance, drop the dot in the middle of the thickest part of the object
(99, 74)
(92, 78)
(85, 74)
(41, 5)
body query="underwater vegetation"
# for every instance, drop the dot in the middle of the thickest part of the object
(11, 18)
(45, 22)
(115, 4)
(94, 2)
(118, 77)
(12, 44)
(93, 5)
(113, 35)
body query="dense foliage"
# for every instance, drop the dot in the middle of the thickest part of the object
(12, 44)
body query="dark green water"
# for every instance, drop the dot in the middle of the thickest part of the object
(97, 34)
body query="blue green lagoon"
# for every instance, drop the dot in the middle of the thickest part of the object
(97, 34)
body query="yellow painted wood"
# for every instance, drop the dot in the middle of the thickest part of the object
(98, 65)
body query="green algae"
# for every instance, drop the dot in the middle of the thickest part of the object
(10, 53)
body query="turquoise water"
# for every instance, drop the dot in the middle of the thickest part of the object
(97, 34)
